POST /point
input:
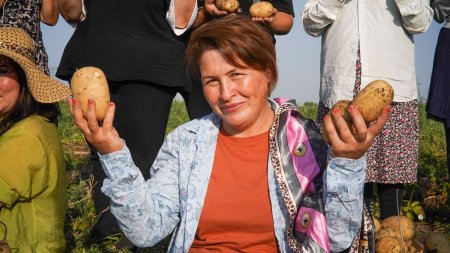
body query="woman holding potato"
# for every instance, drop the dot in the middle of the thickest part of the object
(32, 167)
(248, 177)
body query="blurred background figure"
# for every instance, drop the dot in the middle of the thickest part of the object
(28, 15)
(438, 102)
(32, 166)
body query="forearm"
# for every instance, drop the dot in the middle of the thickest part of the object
(416, 15)
(71, 10)
(183, 12)
(49, 12)
(145, 212)
(319, 14)
(281, 24)
(343, 197)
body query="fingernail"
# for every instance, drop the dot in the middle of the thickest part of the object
(327, 117)
(351, 108)
(389, 109)
(90, 101)
(111, 104)
(336, 111)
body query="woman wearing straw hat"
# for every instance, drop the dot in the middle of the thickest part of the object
(28, 15)
(32, 168)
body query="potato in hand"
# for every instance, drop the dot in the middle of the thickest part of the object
(261, 9)
(90, 83)
(370, 102)
(230, 6)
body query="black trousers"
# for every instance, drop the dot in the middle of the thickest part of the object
(447, 141)
(142, 112)
(389, 195)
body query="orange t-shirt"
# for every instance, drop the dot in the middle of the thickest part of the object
(237, 214)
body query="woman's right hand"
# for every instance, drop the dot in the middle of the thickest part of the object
(103, 137)
(211, 8)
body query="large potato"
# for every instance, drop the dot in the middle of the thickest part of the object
(90, 83)
(261, 9)
(408, 227)
(230, 6)
(371, 100)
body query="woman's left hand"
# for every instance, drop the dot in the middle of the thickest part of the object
(350, 145)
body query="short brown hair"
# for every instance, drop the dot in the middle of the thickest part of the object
(239, 40)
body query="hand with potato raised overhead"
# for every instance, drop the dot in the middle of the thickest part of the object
(276, 15)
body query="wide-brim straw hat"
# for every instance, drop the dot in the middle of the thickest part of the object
(17, 45)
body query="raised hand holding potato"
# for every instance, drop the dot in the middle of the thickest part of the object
(370, 102)
(230, 6)
(104, 138)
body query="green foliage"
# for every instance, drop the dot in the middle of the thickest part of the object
(431, 192)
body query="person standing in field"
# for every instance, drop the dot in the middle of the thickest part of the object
(140, 46)
(28, 15)
(438, 102)
(363, 41)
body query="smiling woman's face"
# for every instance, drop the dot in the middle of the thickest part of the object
(9, 86)
(238, 95)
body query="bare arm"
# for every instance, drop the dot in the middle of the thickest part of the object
(183, 12)
(279, 24)
(49, 12)
(71, 10)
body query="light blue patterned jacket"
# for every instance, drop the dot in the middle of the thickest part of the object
(172, 200)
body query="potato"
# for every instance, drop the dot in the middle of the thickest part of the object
(371, 100)
(230, 6)
(376, 224)
(391, 232)
(437, 242)
(261, 9)
(408, 227)
(90, 82)
(388, 244)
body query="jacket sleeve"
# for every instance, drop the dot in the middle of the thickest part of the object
(441, 9)
(416, 15)
(319, 14)
(23, 173)
(147, 211)
(343, 198)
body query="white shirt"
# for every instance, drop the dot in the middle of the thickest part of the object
(384, 30)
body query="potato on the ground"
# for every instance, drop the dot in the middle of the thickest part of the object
(388, 244)
(261, 9)
(90, 83)
(391, 232)
(230, 6)
(407, 226)
(377, 224)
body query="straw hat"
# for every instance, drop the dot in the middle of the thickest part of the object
(17, 45)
